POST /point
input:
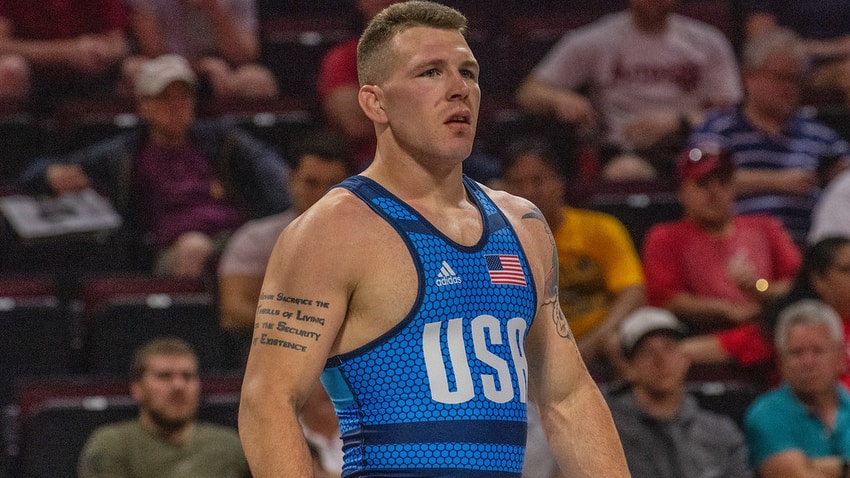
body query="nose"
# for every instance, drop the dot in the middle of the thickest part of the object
(459, 88)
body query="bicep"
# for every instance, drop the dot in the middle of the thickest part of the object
(301, 306)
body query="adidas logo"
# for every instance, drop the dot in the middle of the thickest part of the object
(447, 276)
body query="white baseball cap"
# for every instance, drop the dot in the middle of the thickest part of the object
(643, 321)
(156, 74)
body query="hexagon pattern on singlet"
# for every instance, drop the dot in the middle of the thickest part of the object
(394, 420)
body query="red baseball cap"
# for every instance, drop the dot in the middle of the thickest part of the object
(695, 163)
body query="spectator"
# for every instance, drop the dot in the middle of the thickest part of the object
(338, 86)
(776, 147)
(715, 269)
(165, 439)
(181, 184)
(220, 38)
(824, 27)
(649, 74)
(831, 216)
(802, 428)
(600, 274)
(664, 431)
(320, 161)
(823, 275)
(61, 48)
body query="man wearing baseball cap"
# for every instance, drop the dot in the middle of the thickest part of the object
(665, 434)
(181, 184)
(712, 268)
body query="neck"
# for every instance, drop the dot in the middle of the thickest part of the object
(649, 24)
(720, 229)
(823, 405)
(661, 405)
(427, 185)
(771, 124)
(176, 435)
(168, 140)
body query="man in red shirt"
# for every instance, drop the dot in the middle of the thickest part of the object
(338, 86)
(715, 269)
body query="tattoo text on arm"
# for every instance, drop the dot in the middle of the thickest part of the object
(278, 325)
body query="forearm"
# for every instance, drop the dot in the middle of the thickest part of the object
(46, 52)
(709, 312)
(234, 45)
(625, 302)
(272, 437)
(535, 96)
(833, 48)
(582, 435)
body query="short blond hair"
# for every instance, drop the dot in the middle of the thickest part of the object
(158, 346)
(373, 56)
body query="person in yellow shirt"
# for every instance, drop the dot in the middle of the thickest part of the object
(600, 274)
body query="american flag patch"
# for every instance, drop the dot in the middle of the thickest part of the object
(505, 269)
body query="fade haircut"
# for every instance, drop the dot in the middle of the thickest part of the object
(158, 346)
(774, 41)
(373, 52)
(808, 311)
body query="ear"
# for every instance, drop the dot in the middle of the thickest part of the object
(136, 390)
(370, 99)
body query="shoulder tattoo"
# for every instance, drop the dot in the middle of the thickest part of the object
(551, 284)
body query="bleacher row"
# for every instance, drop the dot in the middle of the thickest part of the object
(508, 39)
(65, 351)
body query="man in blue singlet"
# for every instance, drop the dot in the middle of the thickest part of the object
(426, 302)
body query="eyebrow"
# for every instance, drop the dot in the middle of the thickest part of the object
(442, 62)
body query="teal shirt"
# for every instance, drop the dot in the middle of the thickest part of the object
(777, 421)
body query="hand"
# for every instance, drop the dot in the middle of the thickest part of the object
(650, 128)
(66, 178)
(742, 313)
(93, 54)
(742, 271)
(576, 109)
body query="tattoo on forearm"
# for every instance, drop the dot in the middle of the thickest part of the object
(278, 326)
(551, 284)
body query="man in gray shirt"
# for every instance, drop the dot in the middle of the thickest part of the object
(665, 434)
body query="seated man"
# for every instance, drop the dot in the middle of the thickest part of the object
(777, 147)
(219, 38)
(165, 439)
(664, 432)
(648, 73)
(600, 275)
(802, 428)
(181, 184)
(714, 269)
(824, 27)
(337, 87)
(320, 162)
(62, 48)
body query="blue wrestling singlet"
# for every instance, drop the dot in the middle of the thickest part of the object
(443, 393)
